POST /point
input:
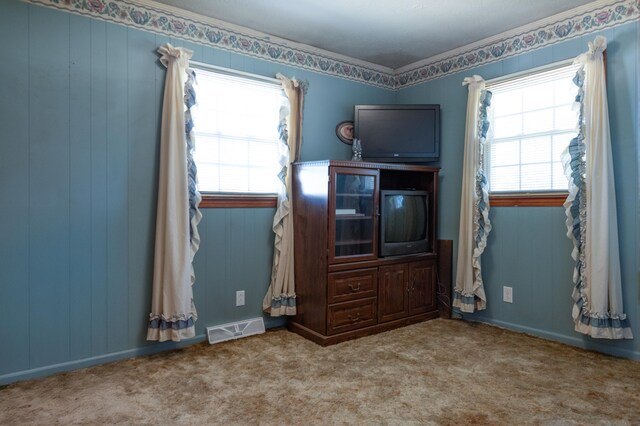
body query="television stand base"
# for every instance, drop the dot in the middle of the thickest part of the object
(361, 332)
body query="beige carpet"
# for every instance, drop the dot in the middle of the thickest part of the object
(439, 372)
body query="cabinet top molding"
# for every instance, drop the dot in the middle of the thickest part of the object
(369, 165)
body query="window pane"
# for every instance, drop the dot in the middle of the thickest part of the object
(565, 118)
(259, 150)
(234, 151)
(262, 179)
(234, 179)
(231, 124)
(507, 126)
(538, 96)
(205, 121)
(536, 150)
(505, 178)
(206, 150)
(538, 121)
(532, 123)
(536, 177)
(505, 153)
(565, 91)
(208, 177)
(262, 127)
(236, 133)
(560, 143)
(506, 103)
(559, 178)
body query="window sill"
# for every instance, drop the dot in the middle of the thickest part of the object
(528, 200)
(212, 201)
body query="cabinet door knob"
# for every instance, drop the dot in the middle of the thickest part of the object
(354, 318)
(354, 288)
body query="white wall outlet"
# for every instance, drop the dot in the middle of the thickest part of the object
(240, 298)
(507, 294)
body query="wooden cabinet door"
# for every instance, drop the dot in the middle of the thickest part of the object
(393, 300)
(353, 214)
(422, 287)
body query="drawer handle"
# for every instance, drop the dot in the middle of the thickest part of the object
(354, 318)
(354, 288)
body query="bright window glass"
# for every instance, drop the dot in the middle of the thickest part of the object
(532, 121)
(236, 133)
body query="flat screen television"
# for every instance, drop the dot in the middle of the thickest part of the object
(398, 133)
(403, 222)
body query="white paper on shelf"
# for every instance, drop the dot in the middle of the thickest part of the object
(345, 211)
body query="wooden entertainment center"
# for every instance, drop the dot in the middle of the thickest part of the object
(344, 288)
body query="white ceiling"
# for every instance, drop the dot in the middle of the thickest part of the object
(391, 33)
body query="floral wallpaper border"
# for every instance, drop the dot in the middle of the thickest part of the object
(616, 13)
(143, 16)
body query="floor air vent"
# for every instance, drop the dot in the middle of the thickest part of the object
(235, 330)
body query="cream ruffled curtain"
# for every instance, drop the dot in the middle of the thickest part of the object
(591, 207)
(173, 312)
(281, 295)
(474, 228)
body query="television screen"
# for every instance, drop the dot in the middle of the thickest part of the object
(406, 219)
(398, 133)
(404, 216)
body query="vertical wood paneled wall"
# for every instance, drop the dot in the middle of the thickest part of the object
(528, 249)
(80, 104)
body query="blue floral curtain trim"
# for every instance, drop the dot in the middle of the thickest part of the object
(482, 185)
(574, 160)
(194, 194)
(163, 324)
(283, 133)
(469, 302)
(283, 301)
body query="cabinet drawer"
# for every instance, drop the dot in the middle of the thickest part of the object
(351, 315)
(352, 285)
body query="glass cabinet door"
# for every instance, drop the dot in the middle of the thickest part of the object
(354, 214)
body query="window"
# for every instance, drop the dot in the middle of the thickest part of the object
(532, 121)
(236, 131)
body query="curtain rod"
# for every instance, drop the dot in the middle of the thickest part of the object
(230, 71)
(519, 74)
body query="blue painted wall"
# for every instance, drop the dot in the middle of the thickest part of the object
(79, 113)
(528, 248)
(80, 102)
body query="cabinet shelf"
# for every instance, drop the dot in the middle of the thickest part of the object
(354, 195)
(353, 217)
(353, 242)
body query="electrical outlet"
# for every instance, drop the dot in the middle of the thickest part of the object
(507, 294)
(240, 298)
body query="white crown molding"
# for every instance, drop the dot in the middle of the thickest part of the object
(151, 16)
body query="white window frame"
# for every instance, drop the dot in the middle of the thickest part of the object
(548, 196)
(233, 198)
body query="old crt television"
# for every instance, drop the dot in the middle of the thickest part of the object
(403, 222)
(398, 133)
